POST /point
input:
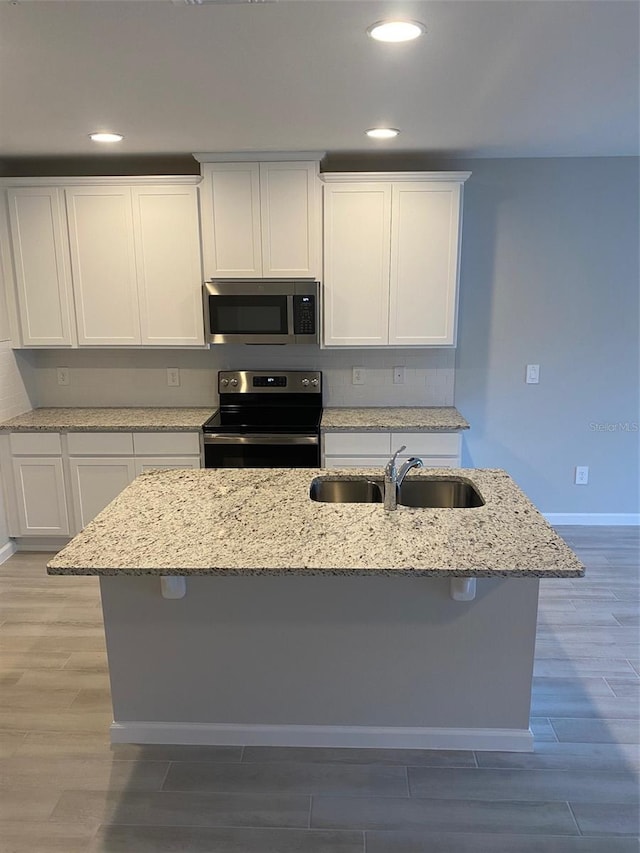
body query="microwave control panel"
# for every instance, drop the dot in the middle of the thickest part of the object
(304, 315)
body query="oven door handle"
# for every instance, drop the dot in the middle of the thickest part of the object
(259, 438)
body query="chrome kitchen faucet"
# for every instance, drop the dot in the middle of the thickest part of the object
(393, 478)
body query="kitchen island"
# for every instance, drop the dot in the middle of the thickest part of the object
(309, 623)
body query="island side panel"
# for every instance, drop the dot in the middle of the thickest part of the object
(318, 652)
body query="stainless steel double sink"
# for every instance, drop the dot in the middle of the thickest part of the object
(425, 492)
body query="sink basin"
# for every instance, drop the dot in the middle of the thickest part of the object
(425, 492)
(439, 492)
(338, 490)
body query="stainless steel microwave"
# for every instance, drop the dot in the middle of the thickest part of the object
(262, 311)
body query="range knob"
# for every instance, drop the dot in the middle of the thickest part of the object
(224, 382)
(234, 382)
(305, 382)
(314, 382)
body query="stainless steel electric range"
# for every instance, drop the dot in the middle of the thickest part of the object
(266, 419)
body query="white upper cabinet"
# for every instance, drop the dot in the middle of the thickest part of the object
(125, 255)
(356, 264)
(104, 265)
(231, 220)
(169, 269)
(38, 238)
(290, 219)
(391, 252)
(261, 220)
(425, 243)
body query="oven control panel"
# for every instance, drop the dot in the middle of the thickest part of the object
(266, 382)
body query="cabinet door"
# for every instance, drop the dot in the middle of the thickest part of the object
(169, 272)
(95, 482)
(40, 255)
(425, 227)
(103, 265)
(357, 229)
(40, 494)
(290, 219)
(231, 220)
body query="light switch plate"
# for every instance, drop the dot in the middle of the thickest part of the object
(533, 374)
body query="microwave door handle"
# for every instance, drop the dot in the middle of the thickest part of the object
(290, 317)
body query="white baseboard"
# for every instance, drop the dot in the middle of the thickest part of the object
(7, 551)
(595, 519)
(381, 737)
(42, 543)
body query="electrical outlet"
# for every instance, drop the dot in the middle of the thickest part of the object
(173, 377)
(63, 375)
(533, 374)
(357, 376)
(398, 375)
(582, 475)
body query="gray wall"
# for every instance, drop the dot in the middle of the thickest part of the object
(550, 276)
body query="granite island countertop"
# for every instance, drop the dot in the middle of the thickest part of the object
(109, 419)
(262, 521)
(396, 419)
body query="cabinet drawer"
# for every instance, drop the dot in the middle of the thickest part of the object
(427, 443)
(435, 461)
(356, 462)
(100, 444)
(35, 443)
(357, 444)
(163, 463)
(169, 443)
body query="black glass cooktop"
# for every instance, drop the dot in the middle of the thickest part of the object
(279, 418)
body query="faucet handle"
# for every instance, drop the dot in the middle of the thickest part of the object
(391, 464)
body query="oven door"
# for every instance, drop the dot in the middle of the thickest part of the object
(261, 450)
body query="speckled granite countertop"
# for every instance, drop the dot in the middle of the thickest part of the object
(262, 521)
(398, 419)
(161, 419)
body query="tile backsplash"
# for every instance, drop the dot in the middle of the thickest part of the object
(139, 377)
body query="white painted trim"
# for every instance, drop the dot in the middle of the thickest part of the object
(381, 737)
(7, 551)
(594, 519)
(257, 156)
(103, 180)
(41, 543)
(351, 177)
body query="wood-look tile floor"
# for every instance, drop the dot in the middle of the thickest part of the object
(64, 788)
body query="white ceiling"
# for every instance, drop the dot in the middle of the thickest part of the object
(512, 78)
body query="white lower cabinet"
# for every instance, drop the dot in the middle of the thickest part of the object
(56, 484)
(95, 482)
(373, 449)
(103, 464)
(40, 496)
(34, 481)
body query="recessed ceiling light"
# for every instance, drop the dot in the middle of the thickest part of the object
(382, 132)
(396, 31)
(106, 137)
